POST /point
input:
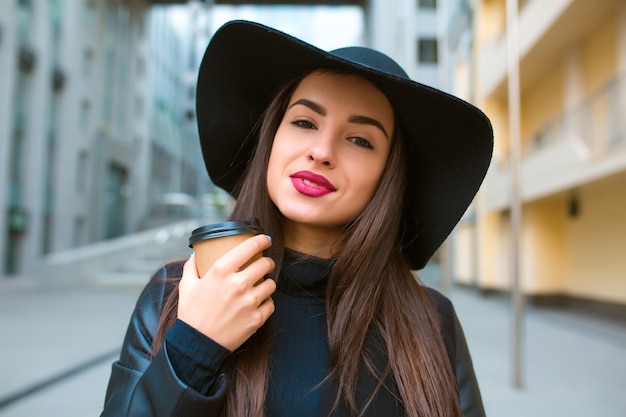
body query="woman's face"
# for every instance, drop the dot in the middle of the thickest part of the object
(328, 155)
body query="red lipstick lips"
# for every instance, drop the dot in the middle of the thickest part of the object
(311, 184)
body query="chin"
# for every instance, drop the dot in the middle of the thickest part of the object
(302, 217)
(312, 213)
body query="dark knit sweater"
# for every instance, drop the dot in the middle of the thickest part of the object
(298, 350)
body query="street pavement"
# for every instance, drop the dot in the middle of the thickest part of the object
(58, 343)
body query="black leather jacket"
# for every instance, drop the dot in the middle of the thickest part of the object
(139, 386)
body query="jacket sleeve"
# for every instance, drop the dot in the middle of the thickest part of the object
(139, 386)
(458, 353)
(471, 400)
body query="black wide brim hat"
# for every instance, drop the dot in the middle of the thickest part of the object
(449, 141)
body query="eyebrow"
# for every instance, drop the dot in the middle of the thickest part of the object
(319, 109)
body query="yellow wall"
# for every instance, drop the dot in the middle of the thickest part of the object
(542, 102)
(542, 249)
(463, 250)
(494, 253)
(491, 20)
(584, 256)
(544, 246)
(596, 255)
(497, 110)
(599, 56)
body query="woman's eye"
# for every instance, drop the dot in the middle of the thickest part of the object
(303, 124)
(361, 142)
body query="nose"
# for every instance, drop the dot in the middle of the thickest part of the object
(322, 151)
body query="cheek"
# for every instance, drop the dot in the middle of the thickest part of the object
(369, 174)
(370, 188)
(272, 171)
(368, 181)
(276, 164)
(363, 187)
(283, 151)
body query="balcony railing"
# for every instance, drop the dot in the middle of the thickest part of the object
(593, 127)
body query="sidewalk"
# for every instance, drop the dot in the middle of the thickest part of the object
(50, 333)
(572, 367)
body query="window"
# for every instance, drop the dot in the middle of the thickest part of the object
(78, 238)
(139, 106)
(46, 240)
(107, 96)
(81, 171)
(85, 114)
(87, 61)
(427, 51)
(116, 200)
(18, 144)
(427, 4)
(141, 67)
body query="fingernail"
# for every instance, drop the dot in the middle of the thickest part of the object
(192, 253)
(269, 237)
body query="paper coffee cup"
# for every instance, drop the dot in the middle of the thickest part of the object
(211, 242)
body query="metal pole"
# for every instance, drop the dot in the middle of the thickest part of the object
(514, 151)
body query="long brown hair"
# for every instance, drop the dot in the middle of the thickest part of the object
(371, 290)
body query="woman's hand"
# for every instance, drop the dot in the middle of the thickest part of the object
(225, 304)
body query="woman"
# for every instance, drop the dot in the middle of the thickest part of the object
(358, 174)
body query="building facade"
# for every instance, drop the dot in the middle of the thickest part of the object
(96, 110)
(410, 31)
(88, 115)
(572, 66)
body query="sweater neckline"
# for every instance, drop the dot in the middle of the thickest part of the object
(304, 275)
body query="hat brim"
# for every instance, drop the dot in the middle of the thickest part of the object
(449, 141)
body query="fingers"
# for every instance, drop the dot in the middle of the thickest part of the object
(236, 258)
(257, 270)
(266, 309)
(190, 268)
(190, 274)
(263, 309)
(229, 304)
(264, 290)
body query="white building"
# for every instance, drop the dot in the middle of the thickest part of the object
(88, 113)
(408, 31)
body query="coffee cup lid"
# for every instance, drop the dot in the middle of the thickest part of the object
(222, 229)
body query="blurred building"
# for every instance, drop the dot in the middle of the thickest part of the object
(573, 170)
(408, 31)
(96, 121)
(96, 110)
